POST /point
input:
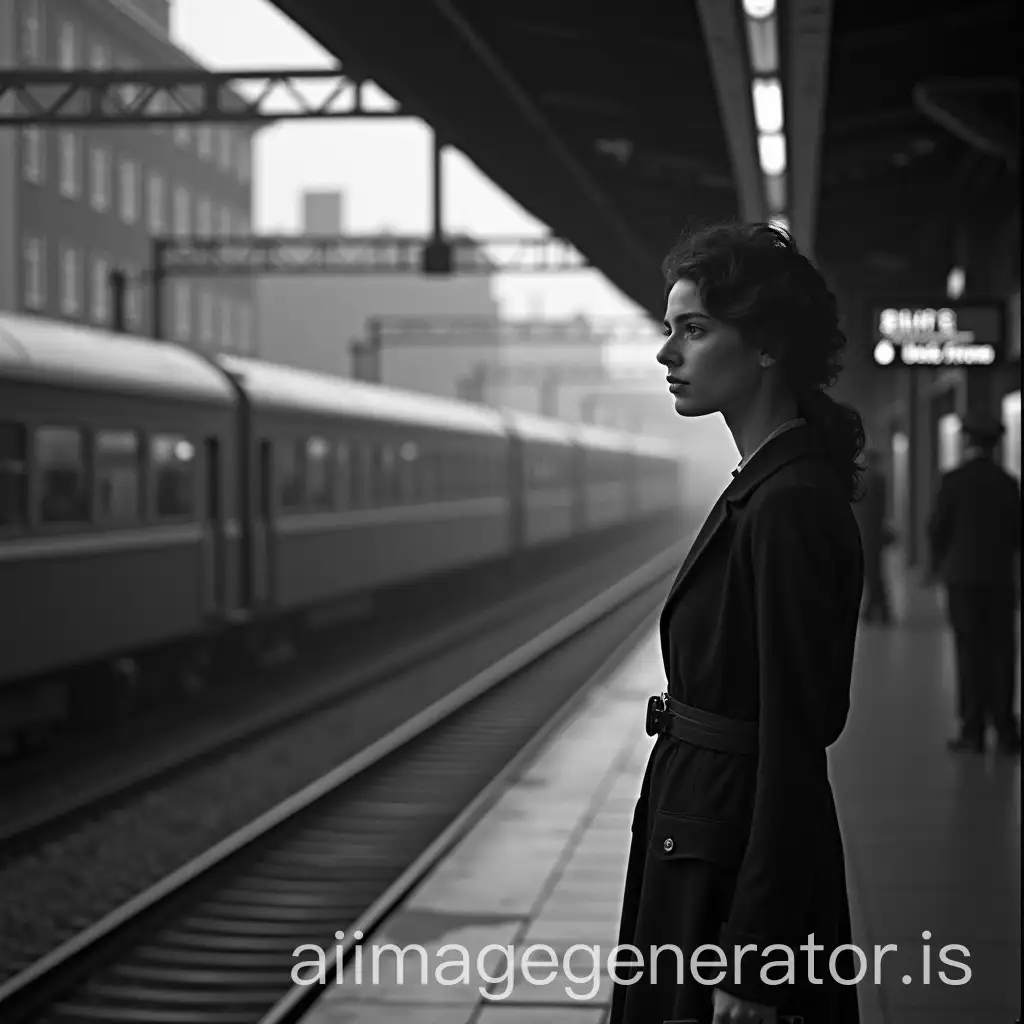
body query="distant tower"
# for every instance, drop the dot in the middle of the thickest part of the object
(323, 212)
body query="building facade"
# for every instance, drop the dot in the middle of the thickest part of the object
(326, 323)
(77, 203)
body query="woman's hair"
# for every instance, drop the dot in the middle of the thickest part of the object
(754, 278)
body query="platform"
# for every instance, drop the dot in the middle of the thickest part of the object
(932, 840)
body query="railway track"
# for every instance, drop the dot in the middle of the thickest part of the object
(43, 814)
(213, 941)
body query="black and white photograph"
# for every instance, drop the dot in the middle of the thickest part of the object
(510, 513)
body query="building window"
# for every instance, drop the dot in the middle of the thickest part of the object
(70, 179)
(183, 135)
(204, 218)
(204, 141)
(100, 173)
(63, 486)
(35, 273)
(206, 318)
(33, 154)
(227, 142)
(129, 191)
(100, 290)
(182, 310)
(157, 217)
(68, 46)
(133, 303)
(70, 280)
(181, 211)
(33, 42)
(99, 57)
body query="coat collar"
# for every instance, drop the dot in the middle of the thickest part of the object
(787, 446)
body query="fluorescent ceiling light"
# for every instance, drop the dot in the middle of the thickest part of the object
(767, 93)
(772, 151)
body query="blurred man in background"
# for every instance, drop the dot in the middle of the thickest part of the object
(875, 533)
(974, 534)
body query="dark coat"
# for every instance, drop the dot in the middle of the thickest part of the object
(870, 513)
(974, 530)
(759, 626)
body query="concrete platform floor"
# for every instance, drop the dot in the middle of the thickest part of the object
(932, 842)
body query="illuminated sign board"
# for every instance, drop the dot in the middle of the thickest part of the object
(943, 336)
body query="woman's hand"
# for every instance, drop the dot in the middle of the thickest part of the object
(731, 1010)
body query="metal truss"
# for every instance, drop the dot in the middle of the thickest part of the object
(371, 254)
(574, 375)
(118, 98)
(530, 333)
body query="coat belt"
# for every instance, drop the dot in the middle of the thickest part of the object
(700, 728)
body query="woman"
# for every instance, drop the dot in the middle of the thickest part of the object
(736, 842)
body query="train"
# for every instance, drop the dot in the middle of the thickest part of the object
(157, 499)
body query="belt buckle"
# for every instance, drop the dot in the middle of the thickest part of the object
(655, 709)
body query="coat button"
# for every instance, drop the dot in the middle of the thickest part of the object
(668, 845)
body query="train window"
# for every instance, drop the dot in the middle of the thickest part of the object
(343, 467)
(359, 469)
(472, 463)
(13, 474)
(387, 475)
(319, 489)
(291, 465)
(480, 460)
(449, 467)
(408, 456)
(173, 462)
(63, 487)
(117, 475)
(425, 474)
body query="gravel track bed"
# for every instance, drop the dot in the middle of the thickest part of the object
(51, 894)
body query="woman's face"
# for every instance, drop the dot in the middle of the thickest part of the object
(710, 367)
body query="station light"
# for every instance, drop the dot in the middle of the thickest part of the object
(775, 187)
(763, 46)
(885, 352)
(772, 152)
(955, 283)
(758, 9)
(767, 93)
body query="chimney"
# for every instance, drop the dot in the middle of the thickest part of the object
(322, 213)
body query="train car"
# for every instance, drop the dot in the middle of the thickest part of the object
(546, 479)
(153, 500)
(657, 476)
(349, 488)
(607, 474)
(115, 519)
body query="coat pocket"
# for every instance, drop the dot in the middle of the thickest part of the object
(677, 837)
